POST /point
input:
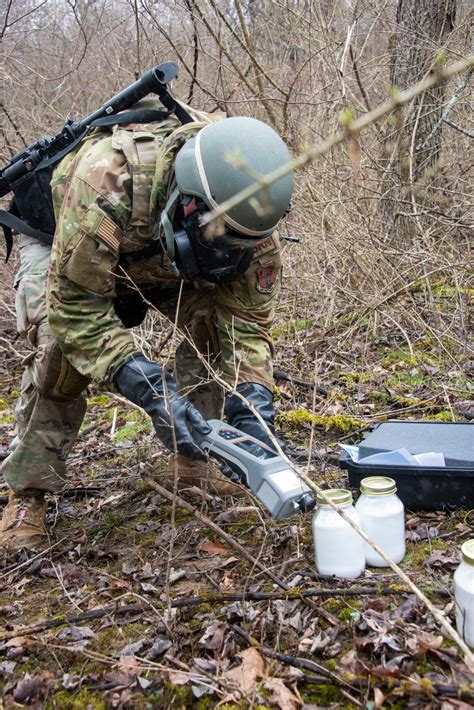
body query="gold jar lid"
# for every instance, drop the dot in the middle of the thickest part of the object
(467, 551)
(338, 496)
(378, 486)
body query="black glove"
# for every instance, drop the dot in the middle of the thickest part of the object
(151, 387)
(240, 416)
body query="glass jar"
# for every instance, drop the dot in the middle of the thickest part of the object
(338, 548)
(383, 519)
(464, 593)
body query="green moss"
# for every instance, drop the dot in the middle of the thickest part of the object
(401, 378)
(146, 540)
(450, 291)
(6, 418)
(101, 400)
(378, 395)
(78, 700)
(323, 695)
(296, 419)
(354, 377)
(418, 552)
(402, 357)
(132, 430)
(444, 416)
(406, 401)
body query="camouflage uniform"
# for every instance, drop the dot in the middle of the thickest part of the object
(108, 195)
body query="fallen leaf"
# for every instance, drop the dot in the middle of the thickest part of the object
(129, 664)
(74, 575)
(126, 673)
(245, 676)
(439, 559)
(213, 548)
(23, 642)
(422, 642)
(232, 514)
(76, 633)
(281, 696)
(110, 499)
(176, 574)
(70, 681)
(407, 610)
(379, 698)
(7, 668)
(159, 647)
(32, 687)
(131, 649)
(178, 677)
(213, 637)
(227, 582)
(349, 664)
(149, 588)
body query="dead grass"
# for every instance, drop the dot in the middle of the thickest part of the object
(384, 327)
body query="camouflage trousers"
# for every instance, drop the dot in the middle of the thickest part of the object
(46, 428)
(47, 425)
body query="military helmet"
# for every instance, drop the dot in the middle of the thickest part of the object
(226, 157)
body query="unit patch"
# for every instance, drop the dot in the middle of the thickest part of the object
(266, 278)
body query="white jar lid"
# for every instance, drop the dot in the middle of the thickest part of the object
(378, 486)
(338, 496)
(467, 551)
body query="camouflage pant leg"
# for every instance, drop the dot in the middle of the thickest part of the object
(195, 318)
(46, 428)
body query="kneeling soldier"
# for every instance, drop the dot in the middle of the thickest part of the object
(129, 205)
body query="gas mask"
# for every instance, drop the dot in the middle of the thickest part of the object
(199, 255)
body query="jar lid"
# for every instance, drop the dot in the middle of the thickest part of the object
(378, 486)
(467, 551)
(338, 496)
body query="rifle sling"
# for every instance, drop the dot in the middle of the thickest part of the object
(9, 222)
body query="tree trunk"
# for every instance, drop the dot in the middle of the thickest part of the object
(412, 150)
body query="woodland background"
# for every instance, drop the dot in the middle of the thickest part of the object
(373, 323)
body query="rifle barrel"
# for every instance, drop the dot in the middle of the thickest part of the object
(153, 81)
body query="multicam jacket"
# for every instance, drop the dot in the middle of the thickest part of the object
(108, 195)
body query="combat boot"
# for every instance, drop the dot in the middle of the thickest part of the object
(205, 475)
(23, 522)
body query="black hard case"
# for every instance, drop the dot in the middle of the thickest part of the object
(420, 487)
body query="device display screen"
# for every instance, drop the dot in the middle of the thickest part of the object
(252, 448)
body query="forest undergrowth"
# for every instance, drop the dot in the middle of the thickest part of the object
(138, 603)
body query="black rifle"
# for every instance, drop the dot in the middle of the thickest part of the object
(28, 174)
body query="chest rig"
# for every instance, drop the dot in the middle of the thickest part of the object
(149, 150)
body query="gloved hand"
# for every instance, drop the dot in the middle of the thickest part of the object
(240, 416)
(150, 386)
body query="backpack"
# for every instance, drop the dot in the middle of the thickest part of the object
(28, 175)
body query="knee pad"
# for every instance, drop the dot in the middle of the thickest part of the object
(54, 377)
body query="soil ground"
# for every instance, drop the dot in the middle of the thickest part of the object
(179, 622)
